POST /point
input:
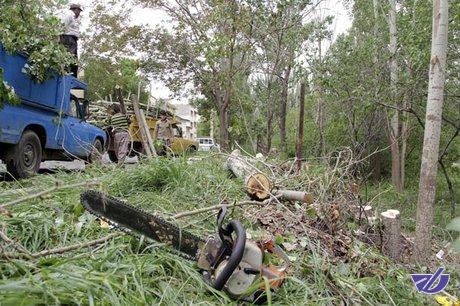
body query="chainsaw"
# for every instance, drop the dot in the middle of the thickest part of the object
(228, 261)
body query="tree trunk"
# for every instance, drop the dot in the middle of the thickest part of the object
(223, 127)
(391, 223)
(320, 109)
(433, 119)
(301, 120)
(211, 124)
(269, 131)
(269, 127)
(394, 130)
(283, 108)
(376, 159)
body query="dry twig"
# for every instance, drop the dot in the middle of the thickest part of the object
(63, 249)
(219, 206)
(15, 245)
(58, 186)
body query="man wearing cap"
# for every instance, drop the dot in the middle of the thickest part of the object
(71, 22)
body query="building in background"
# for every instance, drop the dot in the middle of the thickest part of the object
(186, 126)
(189, 116)
(163, 104)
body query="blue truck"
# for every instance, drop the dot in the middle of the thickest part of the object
(48, 124)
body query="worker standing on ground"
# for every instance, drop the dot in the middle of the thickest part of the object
(119, 124)
(164, 133)
(71, 21)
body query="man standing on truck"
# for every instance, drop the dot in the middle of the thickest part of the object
(119, 124)
(71, 21)
(164, 133)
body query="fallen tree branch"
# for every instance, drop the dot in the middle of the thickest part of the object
(15, 245)
(58, 186)
(219, 206)
(63, 249)
(294, 195)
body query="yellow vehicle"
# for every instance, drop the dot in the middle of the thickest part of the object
(179, 145)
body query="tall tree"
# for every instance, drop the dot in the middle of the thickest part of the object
(209, 45)
(394, 128)
(433, 120)
(111, 46)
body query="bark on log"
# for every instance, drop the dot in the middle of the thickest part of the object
(391, 223)
(258, 185)
(147, 132)
(145, 142)
(294, 195)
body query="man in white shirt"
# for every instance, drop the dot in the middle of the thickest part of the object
(71, 22)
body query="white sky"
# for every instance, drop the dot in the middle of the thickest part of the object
(341, 24)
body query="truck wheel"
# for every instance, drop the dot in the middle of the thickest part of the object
(95, 157)
(25, 157)
(113, 156)
(190, 150)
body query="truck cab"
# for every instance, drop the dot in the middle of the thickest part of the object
(48, 124)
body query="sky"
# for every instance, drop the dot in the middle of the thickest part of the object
(341, 24)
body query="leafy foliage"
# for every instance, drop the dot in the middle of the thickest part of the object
(127, 270)
(110, 46)
(28, 26)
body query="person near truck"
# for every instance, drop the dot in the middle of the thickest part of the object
(119, 123)
(164, 134)
(71, 21)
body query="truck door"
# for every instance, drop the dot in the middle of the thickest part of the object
(74, 133)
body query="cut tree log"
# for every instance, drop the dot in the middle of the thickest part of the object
(142, 126)
(391, 225)
(258, 186)
(294, 195)
(147, 132)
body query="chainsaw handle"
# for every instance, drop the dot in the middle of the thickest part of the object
(235, 256)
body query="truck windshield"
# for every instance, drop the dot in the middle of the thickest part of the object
(77, 109)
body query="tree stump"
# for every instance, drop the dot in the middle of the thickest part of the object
(391, 240)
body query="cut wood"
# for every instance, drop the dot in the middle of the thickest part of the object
(238, 165)
(147, 132)
(361, 212)
(258, 186)
(391, 225)
(294, 195)
(142, 125)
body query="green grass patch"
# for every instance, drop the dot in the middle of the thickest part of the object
(132, 271)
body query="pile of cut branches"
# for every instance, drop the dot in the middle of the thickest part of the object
(53, 252)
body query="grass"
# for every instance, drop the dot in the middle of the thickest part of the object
(131, 271)
(406, 203)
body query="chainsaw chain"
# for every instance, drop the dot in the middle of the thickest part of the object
(161, 221)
